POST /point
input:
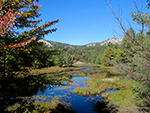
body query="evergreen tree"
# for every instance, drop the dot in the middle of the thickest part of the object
(107, 57)
(61, 61)
(68, 60)
(16, 47)
(134, 58)
(98, 60)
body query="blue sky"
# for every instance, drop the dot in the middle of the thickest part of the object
(85, 21)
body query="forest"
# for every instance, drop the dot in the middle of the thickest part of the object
(25, 63)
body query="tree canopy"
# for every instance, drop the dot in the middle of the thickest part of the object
(16, 15)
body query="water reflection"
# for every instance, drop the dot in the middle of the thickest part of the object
(79, 103)
(65, 94)
(86, 67)
(14, 90)
(46, 93)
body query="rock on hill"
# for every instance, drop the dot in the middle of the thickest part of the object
(111, 40)
(59, 45)
(92, 44)
(45, 42)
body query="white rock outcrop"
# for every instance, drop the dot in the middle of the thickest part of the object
(45, 42)
(93, 44)
(112, 40)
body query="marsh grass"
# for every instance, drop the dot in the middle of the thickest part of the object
(81, 75)
(125, 98)
(83, 82)
(108, 78)
(84, 91)
(97, 86)
(62, 88)
(53, 70)
(41, 107)
(122, 97)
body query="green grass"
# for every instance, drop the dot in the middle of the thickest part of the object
(126, 97)
(82, 91)
(97, 86)
(53, 70)
(122, 98)
(96, 83)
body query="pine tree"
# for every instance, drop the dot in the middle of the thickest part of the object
(108, 55)
(68, 60)
(98, 59)
(61, 61)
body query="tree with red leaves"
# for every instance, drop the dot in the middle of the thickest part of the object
(16, 15)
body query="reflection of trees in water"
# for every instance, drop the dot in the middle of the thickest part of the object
(43, 88)
(9, 93)
(101, 107)
(86, 72)
(62, 109)
(12, 90)
(41, 107)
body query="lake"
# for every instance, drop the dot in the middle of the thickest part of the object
(65, 93)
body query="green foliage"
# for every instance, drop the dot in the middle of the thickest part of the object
(108, 55)
(141, 18)
(18, 49)
(98, 60)
(91, 54)
(122, 56)
(133, 57)
(68, 60)
(60, 61)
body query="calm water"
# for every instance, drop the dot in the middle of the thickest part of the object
(86, 67)
(65, 94)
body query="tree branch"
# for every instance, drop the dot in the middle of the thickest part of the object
(123, 29)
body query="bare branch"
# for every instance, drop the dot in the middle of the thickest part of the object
(113, 31)
(123, 29)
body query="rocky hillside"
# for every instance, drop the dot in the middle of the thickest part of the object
(111, 40)
(92, 44)
(64, 45)
(45, 42)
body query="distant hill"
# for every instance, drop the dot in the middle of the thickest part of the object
(86, 53)
(111, 40)
(59, 45)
